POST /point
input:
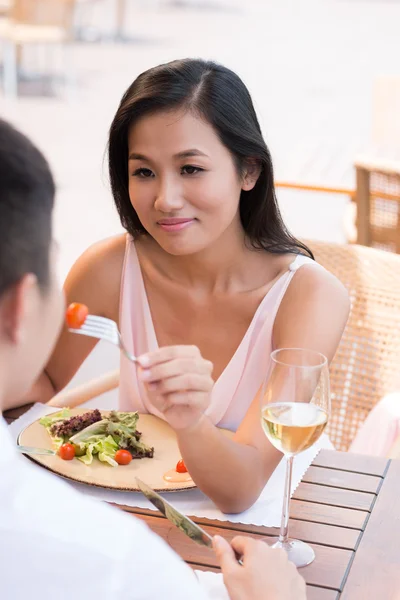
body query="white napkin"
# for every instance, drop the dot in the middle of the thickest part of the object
(265, 511)
(214, 585)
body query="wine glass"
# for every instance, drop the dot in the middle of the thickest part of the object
(295, 407)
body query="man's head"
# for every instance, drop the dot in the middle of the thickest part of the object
(31, 303)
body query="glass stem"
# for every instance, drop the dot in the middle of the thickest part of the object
(283, 536)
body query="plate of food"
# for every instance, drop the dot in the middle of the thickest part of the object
(109, 449)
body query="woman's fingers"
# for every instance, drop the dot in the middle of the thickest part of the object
(192, 399)
(168, 353)
(185, 382)
(175, 367)
(178, 381)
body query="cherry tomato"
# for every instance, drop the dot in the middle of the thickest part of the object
(66, 452)
(123, 457)
(76, 315)
(181, 467)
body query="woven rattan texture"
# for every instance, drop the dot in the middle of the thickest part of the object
(385, 211)
(367, 362)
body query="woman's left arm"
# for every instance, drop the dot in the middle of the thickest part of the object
(233, 471)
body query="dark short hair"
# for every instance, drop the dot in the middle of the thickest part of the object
(220, 97)
(26, 201)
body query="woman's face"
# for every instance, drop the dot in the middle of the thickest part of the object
(183, 183)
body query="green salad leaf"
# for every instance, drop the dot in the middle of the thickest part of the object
(102, 438)
(102, 445)
(49, 420)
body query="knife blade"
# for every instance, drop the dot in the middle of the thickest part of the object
(181, 521)
(32, 450)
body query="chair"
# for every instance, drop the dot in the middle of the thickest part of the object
(32, 22)
(367, 363)
(83, 393)
(378, 204)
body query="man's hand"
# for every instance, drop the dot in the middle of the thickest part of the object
(266, 573)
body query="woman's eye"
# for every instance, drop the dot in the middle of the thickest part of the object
(143, 173)
(190, 170)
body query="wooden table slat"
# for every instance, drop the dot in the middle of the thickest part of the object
(331, 515)
(327, 570)
(334, 496)
(375, 572)
(343, 479)
(317, 533)
(356, 463)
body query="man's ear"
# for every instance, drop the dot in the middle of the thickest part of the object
(251, 174)
(15, 304)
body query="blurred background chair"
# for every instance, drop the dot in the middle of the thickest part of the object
(367, 363)
(33, 22)
(80, 394)
(378, 203)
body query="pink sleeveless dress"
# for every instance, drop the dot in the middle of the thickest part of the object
(235, 389)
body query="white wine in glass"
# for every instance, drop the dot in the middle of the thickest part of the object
(295, 406)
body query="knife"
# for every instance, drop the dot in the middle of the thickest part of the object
(32, 450)
(181, 521)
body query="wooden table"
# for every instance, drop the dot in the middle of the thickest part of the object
(347, 507)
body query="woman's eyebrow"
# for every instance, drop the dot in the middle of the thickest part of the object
(184, 154)
(189, 153)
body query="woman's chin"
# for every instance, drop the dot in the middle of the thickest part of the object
(179, 247)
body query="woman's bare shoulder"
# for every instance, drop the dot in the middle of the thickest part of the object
(95, 277)
(313, 311)
(104, 253)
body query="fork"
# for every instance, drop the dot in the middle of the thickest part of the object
(104, 329)
(32, 450)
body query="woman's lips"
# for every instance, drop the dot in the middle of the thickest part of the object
(172, 225)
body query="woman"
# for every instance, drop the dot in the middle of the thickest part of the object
(208, 279)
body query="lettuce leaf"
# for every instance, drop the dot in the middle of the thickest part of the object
(98, 428)
(104, 446)
(129, 419)
(49, 420)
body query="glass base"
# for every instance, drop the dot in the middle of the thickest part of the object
(298, 552)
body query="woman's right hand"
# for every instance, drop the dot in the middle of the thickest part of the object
(266, 573)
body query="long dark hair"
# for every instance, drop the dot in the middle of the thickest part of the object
(220, 97)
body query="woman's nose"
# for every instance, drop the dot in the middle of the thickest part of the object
(169, 197)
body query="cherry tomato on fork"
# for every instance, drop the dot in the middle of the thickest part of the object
(123, 457)
(76, 315)
(181, 467)
(66, 452)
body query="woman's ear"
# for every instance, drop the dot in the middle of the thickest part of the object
(251, 174)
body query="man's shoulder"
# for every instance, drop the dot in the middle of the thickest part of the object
(104, 548)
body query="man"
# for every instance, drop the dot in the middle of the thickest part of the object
(56, 542)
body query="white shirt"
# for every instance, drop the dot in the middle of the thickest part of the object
(57, 544)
